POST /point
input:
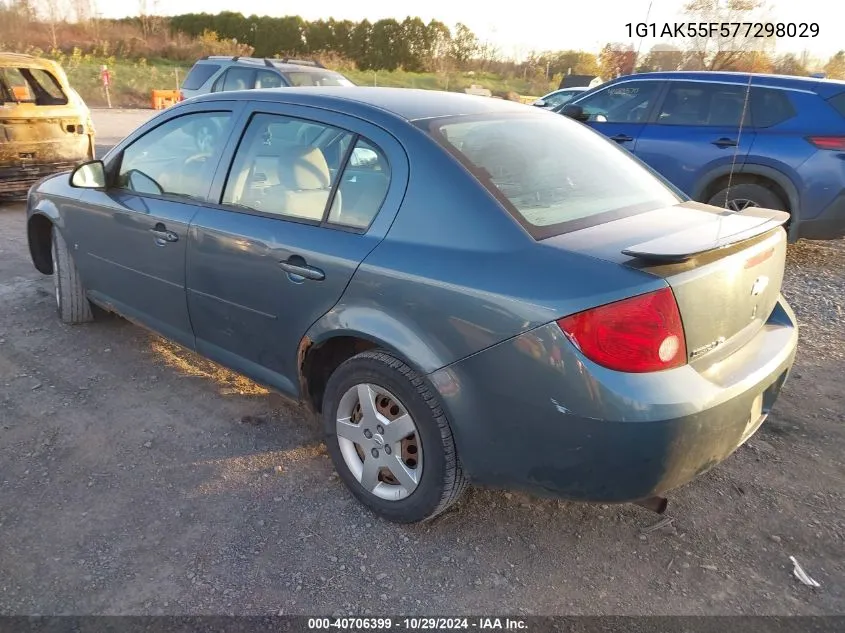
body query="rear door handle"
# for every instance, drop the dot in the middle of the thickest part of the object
(621, 138)
(163, 235)
(725, 142)
(296, 265)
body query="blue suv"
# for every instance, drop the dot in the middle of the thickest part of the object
(787, 154)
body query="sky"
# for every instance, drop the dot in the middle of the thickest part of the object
(518, 28)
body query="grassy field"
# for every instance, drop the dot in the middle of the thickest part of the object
(133, 80)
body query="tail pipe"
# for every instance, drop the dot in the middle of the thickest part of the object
(655, 504)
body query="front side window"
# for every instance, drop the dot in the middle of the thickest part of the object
(703, 104)
(626, 102)
(176, 158)
(553, 174)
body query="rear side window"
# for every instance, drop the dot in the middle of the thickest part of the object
(239, 79)
(316, 78)
(554, 175)
(703, 104)
(770, 107)
(267, 79)
(199, 74)
(31, 85)
(838, 103)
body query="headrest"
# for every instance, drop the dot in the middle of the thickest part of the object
(303, 168)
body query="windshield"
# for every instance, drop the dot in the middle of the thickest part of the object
(317, 78)
(552, 173)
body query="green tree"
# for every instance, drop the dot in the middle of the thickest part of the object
(789, 64)
(717, 51)
(359, 44)
(464, 45)
(319, 36)
(616, 60)
(835, 66)
(439, 42)
(414, 44)
(661, 57)
(386, 47)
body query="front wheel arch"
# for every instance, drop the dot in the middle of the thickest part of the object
(39, 231)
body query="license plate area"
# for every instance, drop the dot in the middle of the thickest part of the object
(761, 406)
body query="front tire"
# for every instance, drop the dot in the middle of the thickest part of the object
(71, 303)
(389, 439)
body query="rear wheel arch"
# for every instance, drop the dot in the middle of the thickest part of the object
(767, 177)
(318, 359)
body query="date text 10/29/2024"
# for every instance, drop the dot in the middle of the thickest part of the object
(743, 30)
(417, 624)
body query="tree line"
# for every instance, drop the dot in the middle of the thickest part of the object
(382, 45)
(388, 44)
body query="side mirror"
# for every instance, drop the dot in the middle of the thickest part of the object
(539, 103)
(90, 175)
(574, 112)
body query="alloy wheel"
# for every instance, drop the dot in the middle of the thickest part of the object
(379, 442)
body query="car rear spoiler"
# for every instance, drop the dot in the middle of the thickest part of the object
(728, 228)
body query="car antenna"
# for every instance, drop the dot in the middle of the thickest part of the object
(640, 43)
(736, 153)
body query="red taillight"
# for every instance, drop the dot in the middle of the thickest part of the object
(635, 335)
(828, 142)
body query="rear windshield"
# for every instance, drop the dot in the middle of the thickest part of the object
(316, 78)
(30, 85)
(199, 74)
(553, 174)
(838, 103)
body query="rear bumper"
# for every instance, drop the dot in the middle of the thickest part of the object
(533, 413)
(16, 181)
(827, 225)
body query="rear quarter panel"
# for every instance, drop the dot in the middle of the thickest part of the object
(456, 274)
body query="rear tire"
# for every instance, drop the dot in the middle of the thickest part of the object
(405, 394)
(71, 303)
(744, 195)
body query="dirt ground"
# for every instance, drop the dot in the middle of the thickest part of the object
(136, 478)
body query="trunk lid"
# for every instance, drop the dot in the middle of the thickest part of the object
(725, 268)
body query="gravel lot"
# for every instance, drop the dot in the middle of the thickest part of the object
(136, 478)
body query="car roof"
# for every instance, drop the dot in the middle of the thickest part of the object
(823, 87)
(407, 103)
(28, 61)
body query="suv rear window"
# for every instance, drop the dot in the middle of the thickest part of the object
(199, 74)
(554, 175)
(30, 85)
(838, 103)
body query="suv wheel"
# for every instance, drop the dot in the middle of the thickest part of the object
(744, 195)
